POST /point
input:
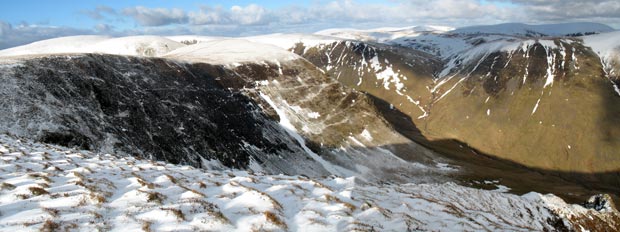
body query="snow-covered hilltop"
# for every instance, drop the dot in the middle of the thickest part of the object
(520, 29)
(227, 51)
(132, 45)
(55, 188)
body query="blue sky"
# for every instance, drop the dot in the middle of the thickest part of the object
(71, 12)
(25, 21)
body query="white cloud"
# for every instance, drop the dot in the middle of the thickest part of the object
(572, 9)
(5, 28)
(100, 12)
(156, 16)
(393, 13)
(104, 28)
(250, 15)
(209, 15)
(13, 36)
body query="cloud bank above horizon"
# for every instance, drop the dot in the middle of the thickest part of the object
(30, 20)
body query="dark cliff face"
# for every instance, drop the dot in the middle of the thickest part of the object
(193, 113)
(145, 107)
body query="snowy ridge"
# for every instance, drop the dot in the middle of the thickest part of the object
(384, 34)
(215, 50)
(190, 39)
(536, 30)
(49, 187)
(604, 44)
(288, 41)
(132, 45)
(231, 51)
(607, 47)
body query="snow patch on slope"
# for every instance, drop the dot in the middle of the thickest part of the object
(292, 131)
(607, 46)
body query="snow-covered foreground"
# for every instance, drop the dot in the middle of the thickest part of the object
(51, 187)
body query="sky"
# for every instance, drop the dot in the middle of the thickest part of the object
(25, 21)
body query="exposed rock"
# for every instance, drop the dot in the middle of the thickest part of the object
(144, 107)
(601, 202)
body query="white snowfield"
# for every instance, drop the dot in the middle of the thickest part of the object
(215, 50)
(132, 45)
(230, 51)
(383, 34)
(446, 42)
(45, 187)
(288, 41)
(607, 46)
(545, 29)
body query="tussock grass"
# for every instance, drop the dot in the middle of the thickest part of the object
(51, 211)
(6, 185)
(177, 212)
(50, 226)
(146, 226)
(37, 191)
(274, 219)
(172, 179)
(155, 197)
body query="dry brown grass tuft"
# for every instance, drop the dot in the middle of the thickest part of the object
(273, 201)
(22, 196)
(78, 175)
(172, 179)
(96, 215)
(6, 185)
(330, 198)
(51, 211)
(98, 198)
(155, 197)
(321, 185)
(177, 212)
(37, 191)
(317, 221)
(40, 176)
(193, 191)
(50, 226)
(146, 226)
(274, 219)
